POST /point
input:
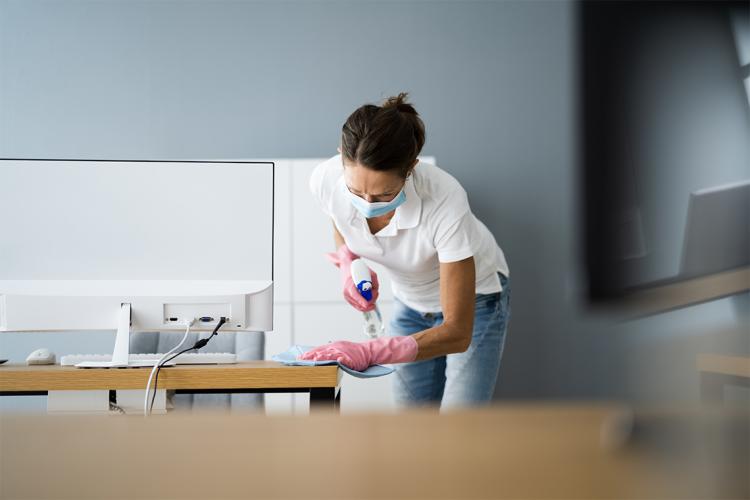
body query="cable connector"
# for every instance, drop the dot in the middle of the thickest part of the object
(202, 342)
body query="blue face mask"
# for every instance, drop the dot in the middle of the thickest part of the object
(377, 208)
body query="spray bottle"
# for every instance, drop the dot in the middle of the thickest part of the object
(363, 281)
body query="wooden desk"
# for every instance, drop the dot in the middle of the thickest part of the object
(674, 293)
(558, 450)
(717, 370)
(322, 382)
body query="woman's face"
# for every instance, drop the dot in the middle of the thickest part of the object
(372, 185)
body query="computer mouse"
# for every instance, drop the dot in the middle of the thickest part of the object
(41, 357)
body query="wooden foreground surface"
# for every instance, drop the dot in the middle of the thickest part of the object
(508, 451)
(244, 375)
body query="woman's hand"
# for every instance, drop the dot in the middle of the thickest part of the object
(351, 354)
(343, 258)
(359, 355)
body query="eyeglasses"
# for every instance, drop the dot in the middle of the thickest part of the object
(378, 199)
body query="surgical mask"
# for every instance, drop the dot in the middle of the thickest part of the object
(376, 208)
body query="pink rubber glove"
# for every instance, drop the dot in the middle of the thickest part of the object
(343, 258)
(359, 355)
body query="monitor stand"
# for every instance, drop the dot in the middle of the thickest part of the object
(121, 351)
(98, 402)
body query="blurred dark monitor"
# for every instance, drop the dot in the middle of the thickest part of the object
(665, 115)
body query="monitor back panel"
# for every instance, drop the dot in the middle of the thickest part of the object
(79, 219)
(717, 234)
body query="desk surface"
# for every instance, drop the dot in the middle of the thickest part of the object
(246, 375)
(507, 451)
(654, 298)
(738, 366)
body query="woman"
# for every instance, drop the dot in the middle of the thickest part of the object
(449, 277)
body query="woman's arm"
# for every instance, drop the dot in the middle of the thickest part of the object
(457, 296)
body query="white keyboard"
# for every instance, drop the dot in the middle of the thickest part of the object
(187, 358)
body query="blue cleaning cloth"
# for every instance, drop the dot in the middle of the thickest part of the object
(289, 357)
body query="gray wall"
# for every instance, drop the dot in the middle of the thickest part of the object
(494, 82)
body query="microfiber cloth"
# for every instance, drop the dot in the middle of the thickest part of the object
(289, 357)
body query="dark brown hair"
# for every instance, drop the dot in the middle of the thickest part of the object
(386, 137)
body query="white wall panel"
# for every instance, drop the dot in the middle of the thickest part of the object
(282, 265)
(323, 322)
(315, 279)
(367, 395)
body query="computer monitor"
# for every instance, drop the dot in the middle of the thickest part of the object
(717, 232)
(645, 142)
(105, 244)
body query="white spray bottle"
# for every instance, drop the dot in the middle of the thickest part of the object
(363, 281)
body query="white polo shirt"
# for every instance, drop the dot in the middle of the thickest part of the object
(433, 225)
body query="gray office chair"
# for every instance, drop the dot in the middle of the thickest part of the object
(248, 346)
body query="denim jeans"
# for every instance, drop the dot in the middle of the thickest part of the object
(459, 379)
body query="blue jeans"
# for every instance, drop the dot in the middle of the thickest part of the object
(460, 379)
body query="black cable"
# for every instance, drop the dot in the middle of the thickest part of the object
(198, 345)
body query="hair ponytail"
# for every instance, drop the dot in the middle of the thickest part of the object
(399, 102)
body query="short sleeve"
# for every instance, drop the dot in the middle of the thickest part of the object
(320, 184)
(455, 242)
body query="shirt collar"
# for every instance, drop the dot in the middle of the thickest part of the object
(407, 214)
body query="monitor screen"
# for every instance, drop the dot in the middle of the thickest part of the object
(136, 220)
